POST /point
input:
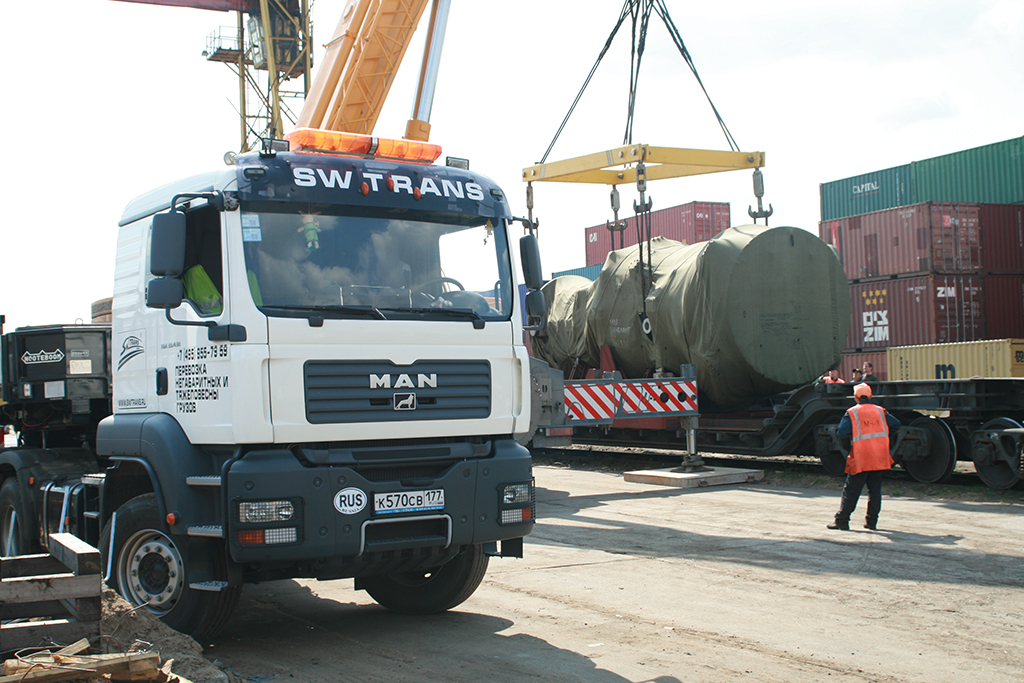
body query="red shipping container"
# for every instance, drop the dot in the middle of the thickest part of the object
(856, 359)
(1002, 237)
(931, 309)
(689, 223)
(1004, 306)
(923, 238)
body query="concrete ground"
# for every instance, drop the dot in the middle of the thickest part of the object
(635, 582)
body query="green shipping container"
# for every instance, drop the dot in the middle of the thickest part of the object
(992, 174)
(865, 193)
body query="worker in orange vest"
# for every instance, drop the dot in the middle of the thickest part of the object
(864, 430)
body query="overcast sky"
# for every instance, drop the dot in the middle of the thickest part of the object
(105, 100)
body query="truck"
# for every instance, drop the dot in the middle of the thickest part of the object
(315, 368)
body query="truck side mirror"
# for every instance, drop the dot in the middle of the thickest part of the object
(167, 249)
(529, 251)
(536, 310)
(165, 292)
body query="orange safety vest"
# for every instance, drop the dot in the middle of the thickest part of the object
(869, 449)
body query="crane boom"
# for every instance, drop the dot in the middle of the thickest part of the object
(362, 58)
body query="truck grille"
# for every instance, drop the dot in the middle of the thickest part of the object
(380, 391)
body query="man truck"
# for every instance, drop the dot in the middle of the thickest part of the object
(315, 368)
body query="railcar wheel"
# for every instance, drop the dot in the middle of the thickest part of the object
(940, 462)
(834, 463)
(149, 568)
(433, 590)
(992, 469)
(12, 514)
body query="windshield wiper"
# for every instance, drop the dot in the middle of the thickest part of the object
(358, 310)
(466, 313)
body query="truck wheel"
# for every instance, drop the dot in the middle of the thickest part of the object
(149, 569)
(12, 520)
(433, 590)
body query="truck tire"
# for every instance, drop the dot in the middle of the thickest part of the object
(149, 568)
(430, 591)
(12, 520)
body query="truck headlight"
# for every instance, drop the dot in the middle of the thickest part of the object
(268, 522)
(516, 502)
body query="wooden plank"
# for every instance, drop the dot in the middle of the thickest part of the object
(119, 667)
(27, 610)
(29, 565)
(77, 555)
(36, 633)
(76, 648)
(50, 587)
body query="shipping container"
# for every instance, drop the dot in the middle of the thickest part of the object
(917, 239)
(1004, 306)
(688, 223)
(929, 309)
(857, 359)
(992, 174)
(1002, 237)
(589, 272)
(989, 358)
(866, 193)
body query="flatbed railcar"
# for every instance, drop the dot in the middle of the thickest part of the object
(944, 421)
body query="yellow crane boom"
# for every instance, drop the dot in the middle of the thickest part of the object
(362, 59)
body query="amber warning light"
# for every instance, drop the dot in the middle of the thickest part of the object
(315, 141)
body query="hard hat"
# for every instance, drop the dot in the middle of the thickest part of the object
(862, 391)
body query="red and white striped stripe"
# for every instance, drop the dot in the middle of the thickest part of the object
(590, 401)
(657, 396)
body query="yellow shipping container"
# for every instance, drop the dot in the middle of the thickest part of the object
(962, 360)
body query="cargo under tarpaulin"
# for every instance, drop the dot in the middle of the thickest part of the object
(687, 223)
(922, 238)
(757, 310)
(929, 309)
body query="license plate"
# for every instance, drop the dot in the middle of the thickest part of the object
(408, 501)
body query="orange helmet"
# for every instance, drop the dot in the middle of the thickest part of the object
(862, 391)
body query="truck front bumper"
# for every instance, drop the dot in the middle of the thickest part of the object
(343, 512)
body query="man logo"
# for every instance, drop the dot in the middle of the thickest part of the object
(405, 401)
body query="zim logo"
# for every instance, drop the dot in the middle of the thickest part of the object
(131, 347)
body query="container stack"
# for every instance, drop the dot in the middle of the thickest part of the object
(933, 250)
(686, 223)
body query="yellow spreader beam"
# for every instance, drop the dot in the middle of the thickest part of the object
(659, 162)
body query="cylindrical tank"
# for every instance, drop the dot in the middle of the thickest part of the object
(757, 310)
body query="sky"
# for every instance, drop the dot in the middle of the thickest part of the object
(105, 100)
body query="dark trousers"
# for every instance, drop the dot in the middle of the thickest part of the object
(851, 492)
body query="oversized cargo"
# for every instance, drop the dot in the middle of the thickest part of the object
(1002, 237)
(988, 358)
(917, 239)
(688, 223)
(1004, 305)
(929, 309)
(757, 310)
(856, 359)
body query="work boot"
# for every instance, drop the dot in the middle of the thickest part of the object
(871, 524)
(842, 526)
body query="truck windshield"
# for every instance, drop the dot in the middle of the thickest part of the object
(300, 258)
